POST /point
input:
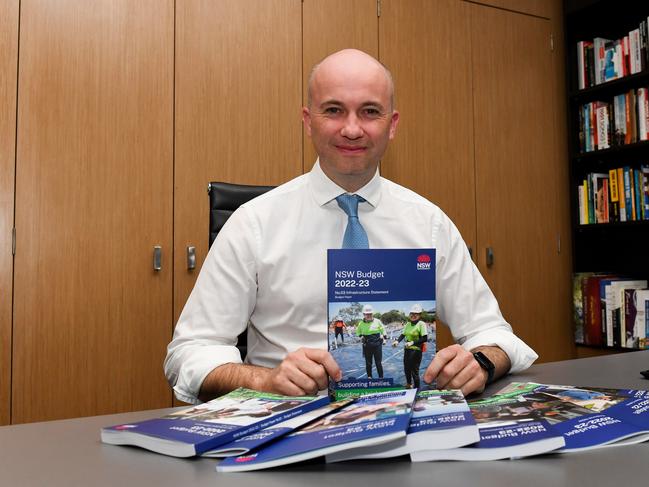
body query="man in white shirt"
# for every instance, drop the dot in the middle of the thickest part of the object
(267, 267)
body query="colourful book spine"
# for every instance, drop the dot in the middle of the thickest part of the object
(614, 208)
(628, 195)
(622, 194)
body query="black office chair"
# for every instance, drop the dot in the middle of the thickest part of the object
(224, 199)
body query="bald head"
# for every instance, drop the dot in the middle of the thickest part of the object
(352, 63)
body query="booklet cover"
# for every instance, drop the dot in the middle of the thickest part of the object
(267, 435)
(207, 426)
(440, 419)
(381, 309)
(369, 420)
(509, 428)
(588, 417)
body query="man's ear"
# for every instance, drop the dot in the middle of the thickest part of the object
(306, 120)
(394, 121)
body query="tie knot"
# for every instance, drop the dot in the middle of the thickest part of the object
(349, 203)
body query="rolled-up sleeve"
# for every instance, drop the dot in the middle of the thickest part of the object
(217, 310)
(467, 305)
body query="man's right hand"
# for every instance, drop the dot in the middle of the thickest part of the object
(303, 372)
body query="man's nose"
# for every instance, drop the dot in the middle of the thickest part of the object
(352, 128)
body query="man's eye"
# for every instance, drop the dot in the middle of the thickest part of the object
(372, 112)
(332, 110)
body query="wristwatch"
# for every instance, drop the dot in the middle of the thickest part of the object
(486, 364)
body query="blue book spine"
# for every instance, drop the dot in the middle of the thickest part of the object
(638, 189)
(628, 194)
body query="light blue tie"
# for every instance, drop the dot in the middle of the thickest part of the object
(355, 236)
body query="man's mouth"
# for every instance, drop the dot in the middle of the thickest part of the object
(351, 149)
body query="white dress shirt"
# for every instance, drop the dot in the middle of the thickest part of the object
(268, 267)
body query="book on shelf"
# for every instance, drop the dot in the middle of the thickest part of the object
(385, 299)
(641, 324)
(601, 60)
(592, 304)
(578, 304)
(620, 195)
(369, 420)
(616, 312)
(208, 426)
(440, 419)
(609, 310)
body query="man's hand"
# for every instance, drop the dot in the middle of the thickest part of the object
(303, 372)
(456, 368)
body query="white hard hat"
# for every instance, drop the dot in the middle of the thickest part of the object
(416, 308)
(367, 309)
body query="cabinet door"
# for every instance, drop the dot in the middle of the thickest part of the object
(326, 31)
(93, 197)
(520, 180)
(238, 99)
(8, 68)
(426, 45)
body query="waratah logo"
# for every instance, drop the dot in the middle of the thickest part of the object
(423, 262)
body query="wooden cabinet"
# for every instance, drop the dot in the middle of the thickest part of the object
(9, 69)
(478, 137)
(432, 152)
(520, 177)
(93, 197)
(238, 100)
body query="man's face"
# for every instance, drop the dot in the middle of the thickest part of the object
(415, 316)
(350, 121)
(368, 316)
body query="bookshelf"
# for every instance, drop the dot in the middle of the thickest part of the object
(619, 247)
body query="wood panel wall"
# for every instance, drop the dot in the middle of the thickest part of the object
(9, 68)
(238, 100)
(94, 196)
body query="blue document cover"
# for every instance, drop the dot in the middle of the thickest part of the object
(587, 417)
(612, 417)
(375, 337)
(368, 420)
(440, 419)
(509, 427)
(267, 435)
(197, 430)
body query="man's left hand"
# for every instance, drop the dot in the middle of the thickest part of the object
(455, 368)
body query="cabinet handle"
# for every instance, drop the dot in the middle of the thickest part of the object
(490, 257)
(191, 258)
(157, 258)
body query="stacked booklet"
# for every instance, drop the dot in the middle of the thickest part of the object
(527, 419)
(211, 428)
(588, 417)
(369, 420)
(440, 419)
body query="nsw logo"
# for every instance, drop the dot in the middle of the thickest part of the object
(423, 262)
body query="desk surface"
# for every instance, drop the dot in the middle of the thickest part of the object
(69, 453)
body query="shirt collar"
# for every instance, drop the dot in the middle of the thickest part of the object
(325, 190)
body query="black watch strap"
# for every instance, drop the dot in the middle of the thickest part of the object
(486, 364)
